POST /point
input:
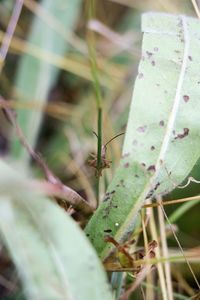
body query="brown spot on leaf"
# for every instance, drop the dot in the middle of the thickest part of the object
(186, 98)
(161, 123)
(150, 194)
(153, 190)
(106, 199)
(125, 155)
(151, 168)
(152, 148)
(156, 186)
(140, 75)
(107, 230)
(142, 128)
(190, 58)
(183, 135)
(107, 210)
(149, 54)
(126, 165)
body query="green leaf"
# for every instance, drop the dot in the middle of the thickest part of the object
(53, 257)
(162, 138)
(35, 78)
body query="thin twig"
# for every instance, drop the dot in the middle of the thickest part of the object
(10, 30)
(189, 180)
(165, 252)
(56, 185)
(116, 267)
(150, 279)
(180, 247)
(64, 193)
(154, 234)
(170, 202)
(113, 138)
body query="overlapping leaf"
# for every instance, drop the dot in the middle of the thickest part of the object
(36, 78)
(53, 257)
(162, 138)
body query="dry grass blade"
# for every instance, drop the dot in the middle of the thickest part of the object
(10, 30)
(145, 270)
(170, 202)
(167, 267)
(154, 234)
(58, 187)
(56, 110)
(56, 25)
(196, 8)
(83, 179)
(75, 65)
(122, 42)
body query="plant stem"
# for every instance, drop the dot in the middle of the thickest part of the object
(99, 148)
(97, 89)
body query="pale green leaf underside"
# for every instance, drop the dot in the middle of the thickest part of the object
(35, 78)
(162, 136)
(53, 257)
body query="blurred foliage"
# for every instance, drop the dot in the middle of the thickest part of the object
(68, 113)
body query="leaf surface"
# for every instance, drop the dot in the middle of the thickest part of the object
(54, 259)
(162, 138)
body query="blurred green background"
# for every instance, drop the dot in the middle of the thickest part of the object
(47, 73)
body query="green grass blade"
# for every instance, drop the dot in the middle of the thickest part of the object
(35, 77)
(179, 212)
(53, 257)
(162, 138)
